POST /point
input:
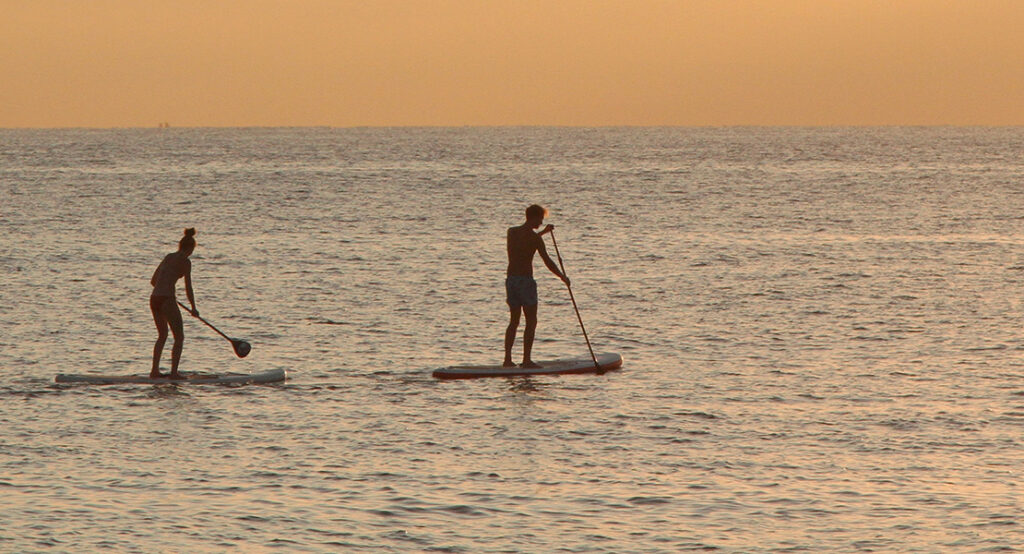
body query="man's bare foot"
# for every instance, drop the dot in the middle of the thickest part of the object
(529, 364)
(508, 363)
(175, 376)
(156, 375)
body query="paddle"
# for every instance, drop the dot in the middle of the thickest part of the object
(241, 347)
(597, 366)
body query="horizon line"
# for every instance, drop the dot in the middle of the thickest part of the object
(166, 126)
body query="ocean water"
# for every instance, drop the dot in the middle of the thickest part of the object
(821, 331)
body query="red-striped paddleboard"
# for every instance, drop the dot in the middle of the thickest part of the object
(607, 362)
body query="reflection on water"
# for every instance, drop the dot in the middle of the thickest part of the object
(819, 326)
(525, 385)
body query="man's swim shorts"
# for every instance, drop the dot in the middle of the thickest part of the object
(520, 290)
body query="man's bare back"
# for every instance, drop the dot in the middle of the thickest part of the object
(523, 243)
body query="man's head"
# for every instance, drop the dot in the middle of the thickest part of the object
(535, 215)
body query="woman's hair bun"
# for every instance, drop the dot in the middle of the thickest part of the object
(190, 232)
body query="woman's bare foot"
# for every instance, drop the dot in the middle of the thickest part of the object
(529, 364)
(175, 376)
(156, 375)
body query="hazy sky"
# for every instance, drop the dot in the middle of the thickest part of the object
(128, 63)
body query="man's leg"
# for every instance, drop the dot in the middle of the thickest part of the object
(510, 334)
(528, 333)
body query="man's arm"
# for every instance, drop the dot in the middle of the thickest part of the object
(548, 261)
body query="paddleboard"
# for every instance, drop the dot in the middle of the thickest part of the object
(564, 366)
(269, 376)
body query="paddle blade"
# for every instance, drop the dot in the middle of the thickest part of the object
(242, 348)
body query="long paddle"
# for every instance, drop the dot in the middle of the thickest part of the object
(241, 347)
(597, 366)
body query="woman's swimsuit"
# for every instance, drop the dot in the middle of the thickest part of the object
(156, 302)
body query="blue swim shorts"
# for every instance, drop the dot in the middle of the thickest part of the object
(520, 290)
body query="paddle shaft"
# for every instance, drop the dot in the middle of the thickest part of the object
(573, 298)
(208, 324)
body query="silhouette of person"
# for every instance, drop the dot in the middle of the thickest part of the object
(164, 305)
(520, 287)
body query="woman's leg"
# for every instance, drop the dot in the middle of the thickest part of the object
(173, 315)
(161, 329)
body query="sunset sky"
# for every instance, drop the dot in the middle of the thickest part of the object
(131, 63)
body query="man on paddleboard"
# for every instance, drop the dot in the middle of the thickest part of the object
(520, 287)
(164, 306)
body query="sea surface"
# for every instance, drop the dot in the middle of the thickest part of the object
(821, 328)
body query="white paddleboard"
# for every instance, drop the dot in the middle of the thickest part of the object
(269, 376)
(607, 362)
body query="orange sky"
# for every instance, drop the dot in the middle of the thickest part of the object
(135, 63)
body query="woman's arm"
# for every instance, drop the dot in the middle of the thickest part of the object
(188, 287)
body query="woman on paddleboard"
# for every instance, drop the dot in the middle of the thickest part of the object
(165, 307)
